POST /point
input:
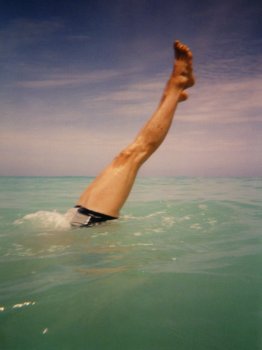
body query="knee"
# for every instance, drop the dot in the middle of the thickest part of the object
(136, 153)
(125, 156)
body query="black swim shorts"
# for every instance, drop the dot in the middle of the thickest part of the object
(83, 217)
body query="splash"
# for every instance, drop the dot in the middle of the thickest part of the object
(47, 220)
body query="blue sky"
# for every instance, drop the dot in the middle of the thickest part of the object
(79, 79)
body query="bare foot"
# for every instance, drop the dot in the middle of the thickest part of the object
(182, 75)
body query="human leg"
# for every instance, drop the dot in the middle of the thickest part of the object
(108, 192)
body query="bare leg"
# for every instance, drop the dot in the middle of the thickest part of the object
(109, 191)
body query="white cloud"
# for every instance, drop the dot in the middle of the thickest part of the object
(59, 128)
(225, 102)
(74, 151)
(52, 151)
(70, 80)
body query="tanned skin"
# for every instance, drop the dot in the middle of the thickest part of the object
(109, 190)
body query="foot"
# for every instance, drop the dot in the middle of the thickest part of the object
(182, 75)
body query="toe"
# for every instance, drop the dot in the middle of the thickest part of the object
(181, 50)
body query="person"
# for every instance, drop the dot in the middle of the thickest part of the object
(105, 196)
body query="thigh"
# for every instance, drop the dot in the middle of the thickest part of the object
(109, 191)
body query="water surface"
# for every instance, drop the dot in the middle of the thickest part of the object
(181, 269)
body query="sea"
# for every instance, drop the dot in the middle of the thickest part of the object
(180, 269)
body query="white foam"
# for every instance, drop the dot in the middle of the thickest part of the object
(47, 220)
(195, 226)
(26, 303)
(137, 234)
(45, 331)
(212, 222)
(141, 244)
(202, 206)
(132, 217)
(185, 218)
(168, 221)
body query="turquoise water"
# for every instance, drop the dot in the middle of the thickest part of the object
(180, 270)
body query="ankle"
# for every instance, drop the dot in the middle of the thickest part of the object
(175, 85)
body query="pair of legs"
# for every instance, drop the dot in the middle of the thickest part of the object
(109, 191)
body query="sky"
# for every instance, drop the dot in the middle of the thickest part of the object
(78, 79)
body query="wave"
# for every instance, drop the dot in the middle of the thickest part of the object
(47, 220)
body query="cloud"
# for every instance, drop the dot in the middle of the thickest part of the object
(225, 102)
(119, 97)
(20, 33)
(65, 151)
(69, 114)
(189, 149)
(69, 80)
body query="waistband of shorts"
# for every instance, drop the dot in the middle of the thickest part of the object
(93, 213)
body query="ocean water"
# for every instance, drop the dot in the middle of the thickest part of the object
(181, 268)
